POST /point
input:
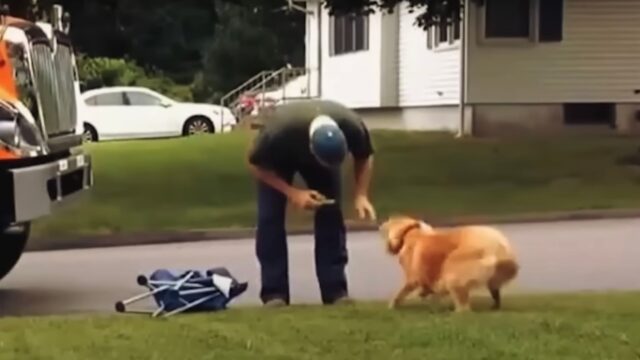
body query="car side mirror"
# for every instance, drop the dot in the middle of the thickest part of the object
(165, 104)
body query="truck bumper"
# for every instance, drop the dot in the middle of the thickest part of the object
(37, 191)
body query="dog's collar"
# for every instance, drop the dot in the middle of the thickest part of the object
(416, 225)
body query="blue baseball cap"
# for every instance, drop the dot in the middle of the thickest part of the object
(327, 141)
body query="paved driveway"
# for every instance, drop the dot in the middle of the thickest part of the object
(564, 256)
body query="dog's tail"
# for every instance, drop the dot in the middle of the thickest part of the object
(506, 269)
(506, 266)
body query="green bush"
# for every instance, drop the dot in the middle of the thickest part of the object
(100, 72)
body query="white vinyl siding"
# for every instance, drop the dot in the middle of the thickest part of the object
(352, 78)
(598, 59)
(427, 77)
(312, 52)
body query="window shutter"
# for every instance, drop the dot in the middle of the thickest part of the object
(332, 36)
(360, 33)
(551, 20)
(339, 43)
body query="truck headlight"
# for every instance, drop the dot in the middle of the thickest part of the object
(19, 135)
(10, 133)
(10, 140)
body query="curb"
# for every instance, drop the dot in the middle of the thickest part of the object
(168, 237)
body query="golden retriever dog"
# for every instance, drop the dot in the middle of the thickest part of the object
(449, 261)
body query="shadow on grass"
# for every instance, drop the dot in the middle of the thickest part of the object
(577, 303)
(31, 301)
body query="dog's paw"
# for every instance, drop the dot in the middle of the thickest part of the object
(424, 293)
(462, 309)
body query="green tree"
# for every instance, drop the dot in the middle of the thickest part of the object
(99, 72)
(216, 44)
(163, 34)
(432, 11)
(248, 41)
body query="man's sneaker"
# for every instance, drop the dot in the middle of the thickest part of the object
(343, 300)
(275, 303)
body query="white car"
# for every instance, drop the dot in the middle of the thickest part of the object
(135, 112)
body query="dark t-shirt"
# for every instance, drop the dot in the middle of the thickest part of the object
(283, 142)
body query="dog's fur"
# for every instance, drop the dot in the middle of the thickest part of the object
(449, 261)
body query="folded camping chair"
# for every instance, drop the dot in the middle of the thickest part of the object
(186, 291)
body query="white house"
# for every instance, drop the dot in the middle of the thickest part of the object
(525, 65)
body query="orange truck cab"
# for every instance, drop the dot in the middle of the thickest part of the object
(42, 162)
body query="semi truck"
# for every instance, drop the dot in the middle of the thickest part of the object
(43, 165)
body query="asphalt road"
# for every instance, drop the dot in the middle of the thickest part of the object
(566, 256)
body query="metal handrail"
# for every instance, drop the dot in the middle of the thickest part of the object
(289, 75)
(240, 87)
(263, 76)
(262, 83)
(280, 74)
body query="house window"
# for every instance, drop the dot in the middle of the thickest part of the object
(507, 18)
(447, 32)
(516, 19)
(590, 114)
(350, 33)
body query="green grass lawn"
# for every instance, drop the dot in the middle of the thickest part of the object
(567, 327)
(202, 182)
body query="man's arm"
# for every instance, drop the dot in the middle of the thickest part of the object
(308, 199)
(265, 175)
(361, 148)
(271, 178)
(363, 168)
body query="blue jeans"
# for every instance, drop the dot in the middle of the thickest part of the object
(329, 231)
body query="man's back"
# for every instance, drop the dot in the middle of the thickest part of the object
(284, 138)
(302, 112)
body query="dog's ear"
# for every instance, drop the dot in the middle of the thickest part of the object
(426, 227)
(397, 229)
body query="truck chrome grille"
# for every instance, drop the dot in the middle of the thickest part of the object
(54, 81)
(66, 89)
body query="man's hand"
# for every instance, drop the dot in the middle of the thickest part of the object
(362, 170)
(306, 199)
(364, 208)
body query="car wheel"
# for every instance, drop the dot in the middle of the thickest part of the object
(198, 125)
(12, 243)
(89, 134)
